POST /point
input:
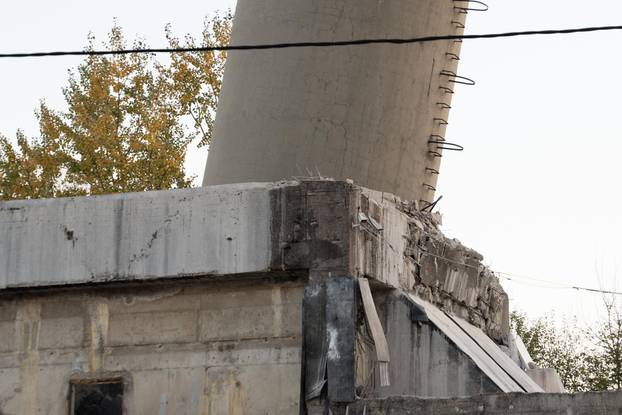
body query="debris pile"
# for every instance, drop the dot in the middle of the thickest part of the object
(452, 276)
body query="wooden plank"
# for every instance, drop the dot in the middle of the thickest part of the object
(377, 332)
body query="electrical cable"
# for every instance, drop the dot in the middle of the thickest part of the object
(516, 278)
(530, 281)
(354, 42)
(525, 280)
(505, 275)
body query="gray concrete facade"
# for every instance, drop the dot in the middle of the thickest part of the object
(424, 361)
(219, 231)
(376, 114)
(207, 298)
(192, 347)
(246, 229)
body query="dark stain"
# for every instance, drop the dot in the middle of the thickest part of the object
(144, 252)
(298, 233)
(306, 229)
(97, 398)
(308, 253)
(225, 347)
(431, 76)
(69, 235)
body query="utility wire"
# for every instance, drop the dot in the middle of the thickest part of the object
(527, 280)
(354, 42)
(524, 280)
(520, 278)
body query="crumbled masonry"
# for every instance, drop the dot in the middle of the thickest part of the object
(451, 276)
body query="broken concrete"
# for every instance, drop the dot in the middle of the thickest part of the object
(260, 291)
(412, 253)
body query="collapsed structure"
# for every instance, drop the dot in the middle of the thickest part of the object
(252, 298)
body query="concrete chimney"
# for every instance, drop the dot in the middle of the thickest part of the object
(375, 114)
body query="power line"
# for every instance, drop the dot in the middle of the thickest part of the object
(524, 280)
(535, 282)
(354, 42)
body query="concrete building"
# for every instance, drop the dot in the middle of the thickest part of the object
(241, 299)
(278, 297)
(374, 114)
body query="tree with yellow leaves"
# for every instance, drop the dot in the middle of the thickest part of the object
(127, 126)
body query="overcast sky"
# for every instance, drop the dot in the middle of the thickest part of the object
(537, 189)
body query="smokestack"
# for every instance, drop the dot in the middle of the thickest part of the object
(375, 113)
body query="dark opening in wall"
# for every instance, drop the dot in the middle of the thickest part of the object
(96, 397)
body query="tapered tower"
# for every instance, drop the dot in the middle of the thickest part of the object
(375, 114)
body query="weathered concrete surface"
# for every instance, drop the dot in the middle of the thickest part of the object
(181, 348)
(433, 354)
(222, 230)
(595, 403)
(232, 230)
(311, 227)
(367, 113)
(327, 232)
(424, 361)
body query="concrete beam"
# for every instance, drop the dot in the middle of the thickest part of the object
(222, 230)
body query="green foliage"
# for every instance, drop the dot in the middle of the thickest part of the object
(607, 337)
(127, 126)
(553, 347)
(194, 79)
(586, 359)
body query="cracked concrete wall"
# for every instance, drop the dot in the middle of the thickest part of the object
(223, 230)
(183, 348)
(366, 112)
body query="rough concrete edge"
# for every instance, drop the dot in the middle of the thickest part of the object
(146, 194)
(515, 403)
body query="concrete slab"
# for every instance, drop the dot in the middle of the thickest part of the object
(221, 230)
